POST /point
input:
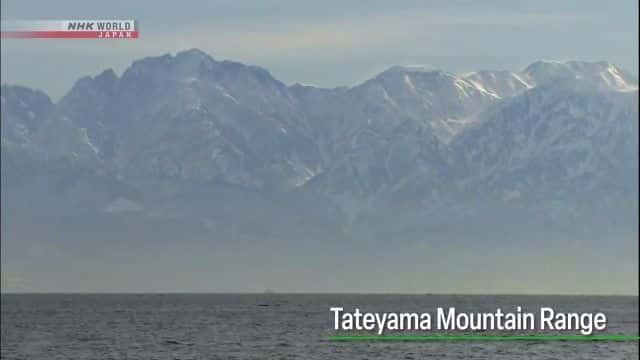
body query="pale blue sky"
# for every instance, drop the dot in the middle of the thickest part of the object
(330, 42)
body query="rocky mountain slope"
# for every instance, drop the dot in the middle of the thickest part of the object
(221, 146)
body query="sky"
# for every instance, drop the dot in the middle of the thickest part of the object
(326, 43)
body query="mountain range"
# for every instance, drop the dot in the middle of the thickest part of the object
(222, 149)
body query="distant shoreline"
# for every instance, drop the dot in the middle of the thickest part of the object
(313, 294)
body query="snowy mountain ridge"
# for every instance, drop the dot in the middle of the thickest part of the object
(412, 142)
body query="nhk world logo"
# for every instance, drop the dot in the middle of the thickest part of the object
(70, 29)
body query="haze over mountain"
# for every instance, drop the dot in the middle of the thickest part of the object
(188, 152)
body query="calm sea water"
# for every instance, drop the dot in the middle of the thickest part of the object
(273, 326)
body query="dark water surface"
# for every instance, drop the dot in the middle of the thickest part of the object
(274, 326)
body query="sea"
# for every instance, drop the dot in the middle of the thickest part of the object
(276, 326)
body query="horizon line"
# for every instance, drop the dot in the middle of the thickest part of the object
(308, 293)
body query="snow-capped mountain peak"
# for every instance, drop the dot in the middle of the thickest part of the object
(602, 72)
(420, 142)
